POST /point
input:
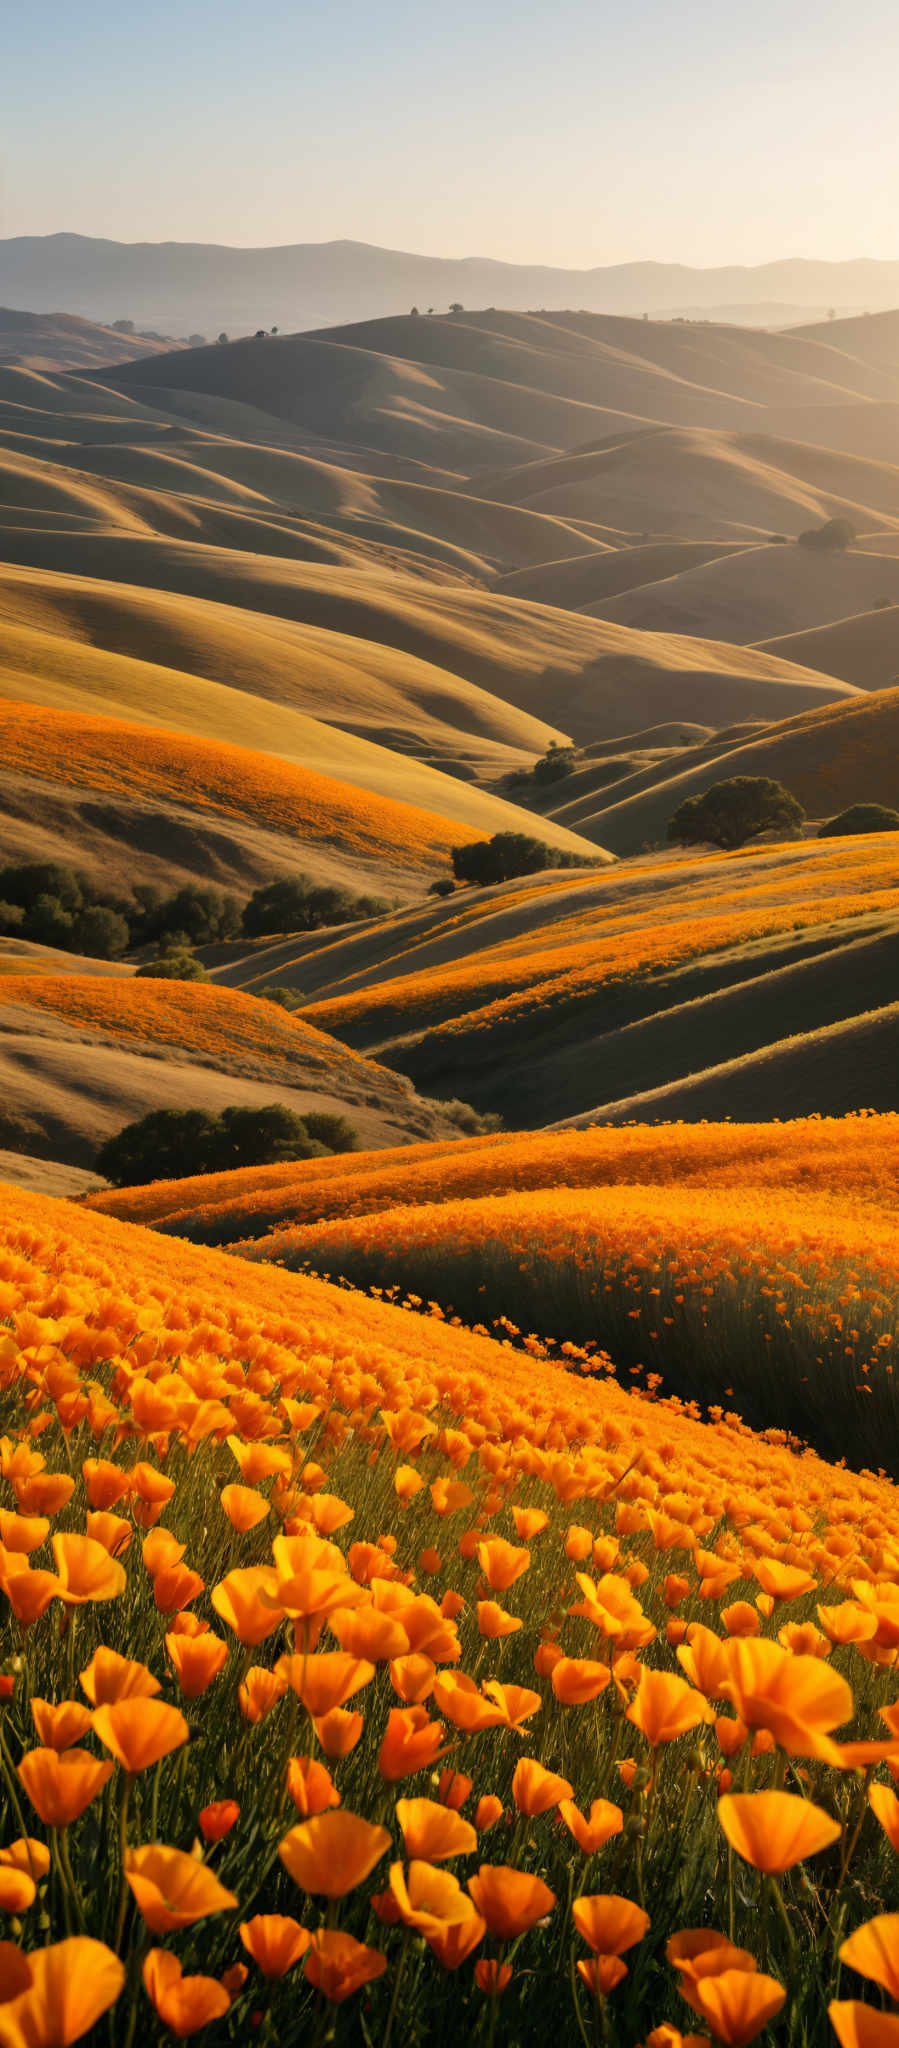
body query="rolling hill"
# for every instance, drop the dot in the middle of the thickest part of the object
(61, 341)
(81, 1055)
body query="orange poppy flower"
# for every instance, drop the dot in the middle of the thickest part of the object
(501, 1563)
(706, 1661)
(337, 1965)
(311, 1578)
(529, 1522)
(70, 1984)
(310, 1786)
(803, 1639)
(703, 1952)
(113, 1531)
(487, 1812)
(798, 1699)
(730, 1734)
(339, 1731)
(160, 1550)
(410, 1742)
(104, 1483)
(774, 1830)
(244, 1507)
(247, 1602)
(29, 1592)
(60, 1786)
(601, 1974)
(18, 1890)
(610, 1604)
(197, 1660)
(664, 1706)
(140, 1731)
(737, 2004)
(492, 1977)
(59, 1727)
(453, 1788)
(428, 1899)
(873, 1950)
(333, 1852)
(452, 1942)
(862, 2026)
(367, 1632)
(216, 1821)
(326, 1679)
(740, 1619)
(782, 1581)
(184, 2004)
(412, 1678)
(259, 1691)
(575, 1680)
(26, 1854)
(885, 1807)
(23, 1533)
(275, 1942)
(176, 1586)
(494, 1622)
(172, 1889)
(432, 1832)
(109, 1677)
(604, 1820)
(850, 1622)
(609, 1924)
(43, 1493)
(536, 1790)
(86, 1571)
(509, 1901)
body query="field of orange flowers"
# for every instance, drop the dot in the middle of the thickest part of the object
(854, 1155)
(700, 908)
(783, 1303)
(219, 1026)
(362, 1681)
(90, 751)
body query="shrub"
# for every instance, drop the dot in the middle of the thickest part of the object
(861, 818)
(506, 855)
(835, 534)
(334, 1132)
(445, 887)
(555, 764)
(296, 904)
(734, 811)
(180, 964)
(171, 1144)
(200, 916)
(275, 992)
(100, 931)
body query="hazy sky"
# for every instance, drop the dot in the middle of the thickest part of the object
(574, 132)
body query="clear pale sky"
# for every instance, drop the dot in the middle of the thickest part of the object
(574, 132)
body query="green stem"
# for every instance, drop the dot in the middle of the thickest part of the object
(123, 1851)
(397, 1982)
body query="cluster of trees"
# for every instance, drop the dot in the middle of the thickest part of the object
(58, 906)
(296, 904)
(505, 856)
(740, 808)
(172, 1143)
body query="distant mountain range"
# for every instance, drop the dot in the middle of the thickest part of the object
(181, 288)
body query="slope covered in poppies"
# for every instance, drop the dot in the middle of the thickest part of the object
(306, 1547)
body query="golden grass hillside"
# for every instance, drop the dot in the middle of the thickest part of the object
(62, 341)
(836, 756)
(764, 592)
(599, 1614)
(83, 1054)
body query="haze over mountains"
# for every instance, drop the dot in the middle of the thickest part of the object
(181, 286)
